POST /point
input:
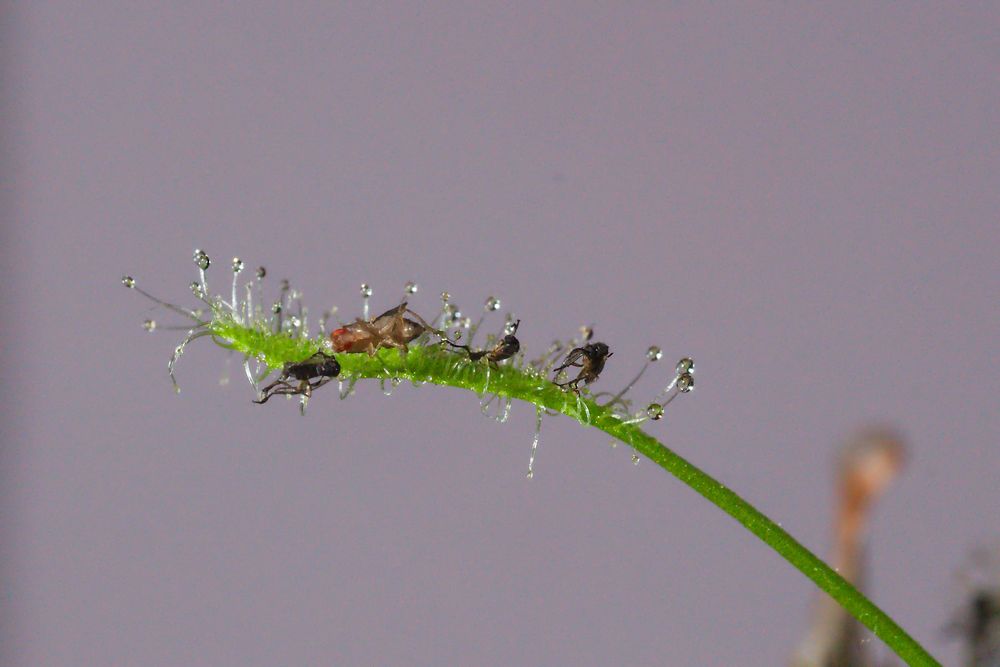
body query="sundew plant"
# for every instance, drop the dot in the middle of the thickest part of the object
(281, 357)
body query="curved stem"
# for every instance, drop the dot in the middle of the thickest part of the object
(431, 365)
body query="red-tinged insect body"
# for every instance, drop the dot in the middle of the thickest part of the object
(390, 329)
(349, 339)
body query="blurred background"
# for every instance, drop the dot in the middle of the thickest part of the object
(803, 199)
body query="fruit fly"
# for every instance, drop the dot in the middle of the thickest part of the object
(589, 359)
(505, 348)
(390, 329)
(321, 367)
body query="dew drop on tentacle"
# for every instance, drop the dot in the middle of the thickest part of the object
(534, 441)
(492, 304)
(277, 315)
(129, 282)
(294, 305)
(653, 354)
(292, 326)
(446, 307)
(654, 411)
(284, 287)
(149, 325)
(202, 261)
(237, 269)
(684, 367)
(178, 351)
(259, 276)
(453, 315)
(410, 287)
(682, 383)
(635, 459)
(445, 298)
(366, 293)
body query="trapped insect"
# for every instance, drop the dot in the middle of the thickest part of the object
(389, 330)
(505, 348)
(321, 367)
(281, 358)
(589, 359)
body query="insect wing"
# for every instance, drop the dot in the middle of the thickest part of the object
(571, 359)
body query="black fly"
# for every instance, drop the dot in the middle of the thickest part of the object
(321, 367)
(589, 359)
(505, 348)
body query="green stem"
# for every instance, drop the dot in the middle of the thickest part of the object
(428, 364)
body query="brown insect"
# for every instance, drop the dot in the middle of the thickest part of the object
(390, 329)
(589, 359)
(321, 367)
(505, 348)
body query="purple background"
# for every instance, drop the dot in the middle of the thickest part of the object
(804, 199)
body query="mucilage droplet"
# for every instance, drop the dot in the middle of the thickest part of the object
(201, 259)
